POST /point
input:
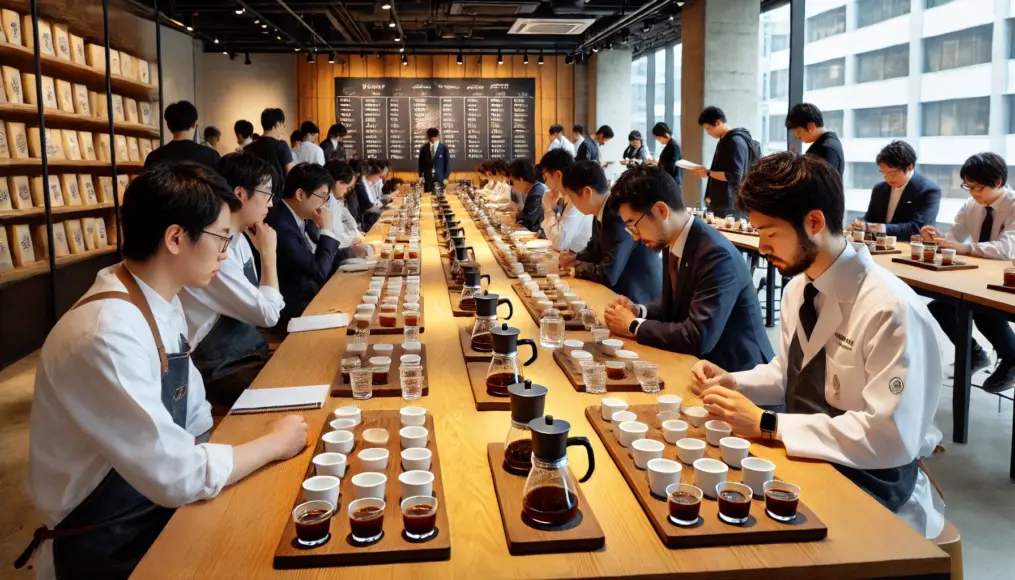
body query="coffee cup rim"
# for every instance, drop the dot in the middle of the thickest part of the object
(673, 466)
(338, 436)
(372, 478)
(633, 427)
(749, 461)
(675, 427)
(326, 482)
(413, 431)
(698, 443)
(337, 458)
(612, 402)
(623, 411)
(412, 410)
(735, 443)
(425, 477)
(668, 399)
(709, 465)
(639, 444)
(373, 453)
(718, 425)
(696, 411)
(422, 453)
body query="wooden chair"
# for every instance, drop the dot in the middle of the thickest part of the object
(950, 541)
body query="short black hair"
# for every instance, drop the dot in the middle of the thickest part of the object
(661, 129)
(337, 130)
(340, 171)
(606, 131)
(522, 168)
(271, 117)
(499, 166)
(556, 129)
(642, 186)
(897, 154)
(586, 174)
(711, 115)
(186, 194)
(789, 185)
(559, 159)
(244, 128)
(212, 133)
(481, 167)
(295, 137)
(987, 169)
(244, 170)
(578, 129)
(432, 132)
(308, 177)
(180, 116)
(356, 165)
(634, 135)
(309, 128)
(370, 167)
(803, 114)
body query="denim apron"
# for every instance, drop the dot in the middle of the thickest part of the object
(231, 355)
(109, 532)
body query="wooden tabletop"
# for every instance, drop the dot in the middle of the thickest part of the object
(235, 534)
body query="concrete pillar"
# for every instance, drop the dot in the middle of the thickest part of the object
(720, 67)
(609, 83)
(914, 117)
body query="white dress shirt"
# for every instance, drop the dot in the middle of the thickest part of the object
(570, 230)
(1002, 236)
(893, 200)
(98, 406)
(230, 293)
(308, 152)
(244, 143)
(677, 250)
(561, 143)
(884, 369)
(344, 225)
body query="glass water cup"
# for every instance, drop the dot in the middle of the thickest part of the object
(782, 500)
(594, 376)
(410, 334)
(313, 522)
(419, 516)
(362, 382)
(647, 374)
(411, 381)
(589, 318)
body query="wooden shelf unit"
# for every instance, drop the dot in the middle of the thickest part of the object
(24, 59)
(57, 119)
(65, 165)
(42, 266)
(37, 212)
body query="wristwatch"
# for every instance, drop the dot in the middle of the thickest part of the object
(633, 326)
(769, 424)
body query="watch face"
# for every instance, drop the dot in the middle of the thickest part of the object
(768, 422)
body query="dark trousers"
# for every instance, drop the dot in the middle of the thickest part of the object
(995, 329)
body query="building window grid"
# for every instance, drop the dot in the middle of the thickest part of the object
(870, 12)
(864, 175)
(880, 122)
(946, 177)
(833, 121)
(884, 64)
(826, 24)
(822, 75)
(936, 3)
(956, 117)
(967, 47)
(778, 84)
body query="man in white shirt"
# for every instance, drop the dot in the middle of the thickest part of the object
(223, 317)
(119, 418)
(307, 150)
(985, 228)
(567, 228)
(345, 228)
(244, 130)
(558, 141)
(859, 368)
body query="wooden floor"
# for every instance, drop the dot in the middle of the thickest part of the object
(17, 518)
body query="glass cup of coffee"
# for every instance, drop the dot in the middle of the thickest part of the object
(419, 516)
(781, 500)
(366, 519)
(734, 502)
(313, 522)
(684, 502)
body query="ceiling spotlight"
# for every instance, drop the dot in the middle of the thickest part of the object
(461, 59)
(540, 57)
(391, 24)
(568, 59)
(264, 32)
(595, 49)
(331, 58)
(190, 28)
(525, 58)
(671, 18)
(224, 52)
(247, 60)
(264, 26)
(310, 57)
(386, 6)
(680, 4)
(500, 58)
(401, 49)
(398, 38)
(609, 45)
(241, 10)
(216, 40)
(297, 49)
(647, 27)
(405, 60)
(277, 37)
(378, 54)
(257, 21)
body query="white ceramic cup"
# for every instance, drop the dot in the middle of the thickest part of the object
(645, 450)
(669, 403)
(416, 482)
(343, 424)
(716, 430)
(667, 416)
(412, 346)
(674, 430)
(349, 412)
(416, 459)
(338, 442)
(413, 436)
(413, 416)
(322, 487)
(709, 473)
(384, 349)
(600, 334)
(734, 450)
(757, 472)
(333, 464)
(621, 416)
(611, 345)
(610, 405)
(890, 242)
(374, 459)
(630, 431)
(572, 344)
(695, 415)
(369, 484)
(662, 473)
(690, 450)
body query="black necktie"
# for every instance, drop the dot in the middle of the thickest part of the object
(674, 268)
(808, 312)
(987, 225)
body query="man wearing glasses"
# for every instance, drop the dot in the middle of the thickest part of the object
(223, 317)
(308, 249)
(709, 308)
(985, 228)
(905, 201)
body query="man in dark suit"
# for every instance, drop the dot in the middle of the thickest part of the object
(307, 248)
(588, 149)
(333, 146)
(807, 124)
(434, 160)
(905, 201)
(709, 308)
(611, 258)
(525, 180)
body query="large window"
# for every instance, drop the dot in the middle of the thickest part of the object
(957, 49)
(864, 175)
(659, 107)
(936, 3)
(821, 75)
(870, 12)
(1009, 107)
(879, 65)
(639, 94)
(946, 177)
(678, 55)
(956, 117)
(779, 42)
(826, 24)
(833, 121)
(777, 128)
(778, 84)
(880, 122)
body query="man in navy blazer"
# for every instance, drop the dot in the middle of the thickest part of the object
(611, 258)
(709, 308)
(434, 160)
(905, 201)
(307, 248)
(524, 179)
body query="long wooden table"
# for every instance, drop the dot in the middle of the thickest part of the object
(235, 534)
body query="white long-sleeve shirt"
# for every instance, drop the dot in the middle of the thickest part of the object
(230, 293)
(1002, 235)
(308, 152)
(571, 230)
(345, 229)
(561, 143)
(98, 406)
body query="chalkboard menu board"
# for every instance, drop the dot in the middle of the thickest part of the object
(479, 119)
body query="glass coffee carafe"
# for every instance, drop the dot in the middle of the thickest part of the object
(504, 369)
(472, 287)
(527, 403)
(460, 257)
(551, 493)
(486, 320)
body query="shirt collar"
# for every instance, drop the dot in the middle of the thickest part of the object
(909, 177)
(841, 280)
(603, 208)
(299, 223)
(677, 249)
(160, 308)
(1008, 194)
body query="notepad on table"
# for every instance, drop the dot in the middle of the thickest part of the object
(280, 399)
(685, 164)
(318, 322)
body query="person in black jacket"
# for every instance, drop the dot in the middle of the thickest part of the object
(611, 258)
(808, 125)
(905, 201)
(588, 149)
(181, 120)
(709, 307)
(308, 251)
(670, 154)
(434, 160)
(332, 145)
(734, 155)
(525, 180)
(636, 152)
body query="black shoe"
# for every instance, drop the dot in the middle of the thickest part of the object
(1002, 378)
(980, 360)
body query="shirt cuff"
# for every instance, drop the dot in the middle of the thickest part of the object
(637, 325)
(329, 233)
(271, 294)
(220, 467)
(642, 311)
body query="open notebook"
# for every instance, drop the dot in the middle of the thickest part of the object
(280, 399)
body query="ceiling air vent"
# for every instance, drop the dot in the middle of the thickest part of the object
(492, 8)
(551, 26)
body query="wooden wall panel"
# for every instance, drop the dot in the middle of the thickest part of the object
(424, 65)
(473, 66)
(392, 65)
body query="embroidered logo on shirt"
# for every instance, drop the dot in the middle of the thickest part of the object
(836, 386)
(844, 342)
(896, 385)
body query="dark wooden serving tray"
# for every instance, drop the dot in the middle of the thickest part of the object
(885, 252)
(393, 387)
(399, 327)
(738, 232)
(574, 374)
(936, 266)
(533, 308)
(584, 534)
(465, 338)
(1001, 288)
(392, 547)
(484, 401)
(452, 285)
(710, 530)
(456, 309)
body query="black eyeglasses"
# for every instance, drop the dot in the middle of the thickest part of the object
(226, 240)
(977, 189)
(633, 228)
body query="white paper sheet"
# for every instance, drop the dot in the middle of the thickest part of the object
(685, 164)
(281, 399)
(318, 322)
